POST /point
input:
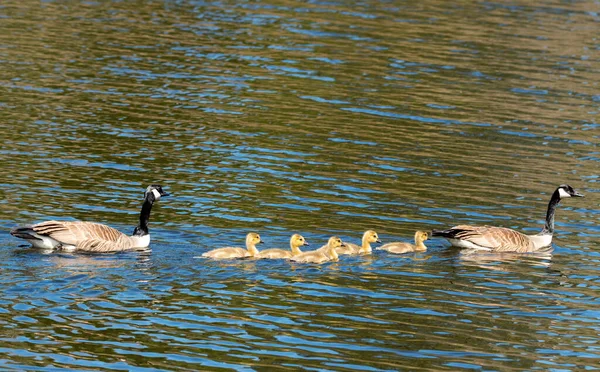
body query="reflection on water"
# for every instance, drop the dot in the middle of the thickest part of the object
(481, 259)
(319, 118)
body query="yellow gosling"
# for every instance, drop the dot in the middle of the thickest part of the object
(369, 237)
(399, 247)
(321, 255)
(252, 239)
(296, 241)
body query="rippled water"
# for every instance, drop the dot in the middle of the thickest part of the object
(317, 117)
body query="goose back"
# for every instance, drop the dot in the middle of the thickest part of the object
(497, 239)
(74, 232)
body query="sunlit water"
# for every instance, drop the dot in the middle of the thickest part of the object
(317, 117)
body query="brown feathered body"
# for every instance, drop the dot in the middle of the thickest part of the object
(501, 239)
(90, 236)
(496, 239)
(80, 236)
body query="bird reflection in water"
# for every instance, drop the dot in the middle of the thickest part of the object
(540, 257)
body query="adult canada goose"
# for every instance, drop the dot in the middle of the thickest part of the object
(91, 236)
(369, 237)
(321, 255)
(400, 247)
(252, 239)
(296, 241)
(500, 239)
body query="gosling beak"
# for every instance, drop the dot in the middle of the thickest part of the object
(378, 241)
(343, 245)
(260, 241)
(306, 243)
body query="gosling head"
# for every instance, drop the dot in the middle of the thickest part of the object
(566, 191)
(371, 237)
(298, 240)
(335, 242)
(154, 192)
(421, 236)
(253, 239)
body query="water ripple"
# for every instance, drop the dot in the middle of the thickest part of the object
(318, 118)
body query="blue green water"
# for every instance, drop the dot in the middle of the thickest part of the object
(318, 118)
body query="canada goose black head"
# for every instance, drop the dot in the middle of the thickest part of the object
(154, 192)
(566, 191)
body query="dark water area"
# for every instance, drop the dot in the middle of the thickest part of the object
(318, 118)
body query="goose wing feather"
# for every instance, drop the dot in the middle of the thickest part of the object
(100, 245)
(74, 232)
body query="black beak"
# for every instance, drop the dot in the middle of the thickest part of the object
(343, 245)
(306, 243)
(378, 241)
(164, 194)
(576, 194)
(260, 241)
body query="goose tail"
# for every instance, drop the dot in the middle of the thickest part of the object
(24, 232)
(448, 233)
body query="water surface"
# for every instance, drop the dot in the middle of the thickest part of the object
(321, 118)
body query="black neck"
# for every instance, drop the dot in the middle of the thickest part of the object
(549, 226)
(142, 227)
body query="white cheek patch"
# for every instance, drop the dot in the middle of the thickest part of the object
(563, 194)
(157, 194)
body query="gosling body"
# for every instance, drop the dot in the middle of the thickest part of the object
(368, 237)
(296, 241)
(402, 247)
(252, 239)
(321, 255)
